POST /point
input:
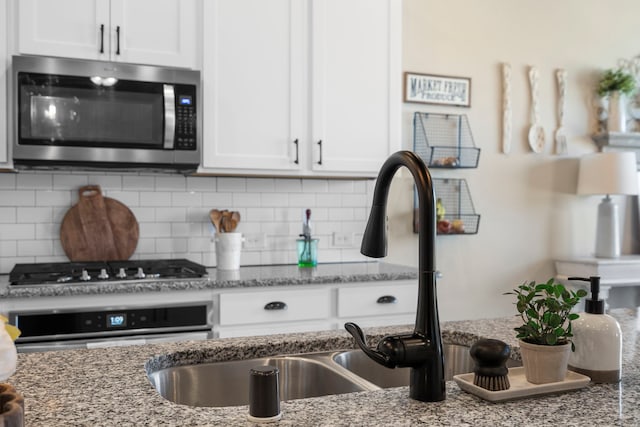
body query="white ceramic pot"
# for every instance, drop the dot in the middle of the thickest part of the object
(545, 363)
(617, 120)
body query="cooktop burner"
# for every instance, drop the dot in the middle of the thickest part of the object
(87, 272)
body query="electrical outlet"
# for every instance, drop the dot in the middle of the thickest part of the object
(255, 241)
(342, 240)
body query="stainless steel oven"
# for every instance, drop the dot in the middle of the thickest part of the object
(95, 114)
(54, 312)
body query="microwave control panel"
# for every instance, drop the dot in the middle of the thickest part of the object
(186, 130)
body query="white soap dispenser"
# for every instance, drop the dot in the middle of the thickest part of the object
(597, 338)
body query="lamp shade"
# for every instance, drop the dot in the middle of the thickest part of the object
(608, 173)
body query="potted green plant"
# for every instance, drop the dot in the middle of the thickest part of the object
(545, 334)
(616, 84)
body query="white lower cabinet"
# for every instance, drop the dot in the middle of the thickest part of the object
(278, 310)
(371, 304)
(287, 309)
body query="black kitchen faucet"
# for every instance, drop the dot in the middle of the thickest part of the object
(422, 349)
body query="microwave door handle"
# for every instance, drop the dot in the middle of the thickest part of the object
(169, 116)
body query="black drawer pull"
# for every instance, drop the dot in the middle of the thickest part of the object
(276, 305)
(387, 299)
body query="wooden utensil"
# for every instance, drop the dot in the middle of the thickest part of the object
(98, 228)
(216, 217)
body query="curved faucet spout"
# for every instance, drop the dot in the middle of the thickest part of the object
(422, 350)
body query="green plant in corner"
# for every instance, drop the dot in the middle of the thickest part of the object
(545, 309)
(616, 80)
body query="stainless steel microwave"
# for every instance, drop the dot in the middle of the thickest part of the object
(70, 113)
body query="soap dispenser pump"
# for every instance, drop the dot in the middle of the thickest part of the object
(597, 338)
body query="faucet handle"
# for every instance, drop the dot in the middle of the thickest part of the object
(375, 355)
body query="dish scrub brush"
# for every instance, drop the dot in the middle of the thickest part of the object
(491, 372)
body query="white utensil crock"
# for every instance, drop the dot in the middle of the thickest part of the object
(228, 248)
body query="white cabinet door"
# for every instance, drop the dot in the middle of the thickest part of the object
(356, 86)
(69, 28)
(253, 87)
(270, 100)
(155, 32)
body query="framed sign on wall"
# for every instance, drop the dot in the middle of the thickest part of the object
(434, 89)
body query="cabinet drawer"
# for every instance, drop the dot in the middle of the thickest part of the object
(377, 300)
(274, 306)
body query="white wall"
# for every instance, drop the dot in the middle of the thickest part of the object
(529, 214)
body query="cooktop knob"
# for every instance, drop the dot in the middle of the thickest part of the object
(103, 274)
(140, 274)
(85, 276)
(121, 274)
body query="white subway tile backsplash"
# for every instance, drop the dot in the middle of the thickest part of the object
(17, 198)
(186, 199)
(173, 213)
(258, 185)
(17, 231)
(47, 230)
(53, 198)
(303, 200)
(232, 185)
(274, 199)
(69, 182)
(8, 215)
(141, 183)
(8, 181)
(217, 200)
(33, 215)
(8, 248)
(158, 199)
(35, 248)
(288, 185)
(201, 183)
(171, 183)
(34, 182)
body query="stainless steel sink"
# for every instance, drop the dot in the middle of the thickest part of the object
(301, 376)
(227, 383)
(456, 361)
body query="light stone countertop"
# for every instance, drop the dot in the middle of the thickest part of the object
(110, 386)
(246, 276)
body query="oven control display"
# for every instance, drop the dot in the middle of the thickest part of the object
(116, 320)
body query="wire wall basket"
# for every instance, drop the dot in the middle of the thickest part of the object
(455, 213)
(444, 140)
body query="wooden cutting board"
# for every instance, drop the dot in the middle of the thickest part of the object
(98, 228)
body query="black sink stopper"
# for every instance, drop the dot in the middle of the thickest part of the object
(264, 394)
(491, 372)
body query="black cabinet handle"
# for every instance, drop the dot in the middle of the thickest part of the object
(118, 40)
(387, 299)
(101, 38)
(276, 305)
(320, 145)
(297, 160)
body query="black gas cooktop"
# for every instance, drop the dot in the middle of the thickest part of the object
(89, 272)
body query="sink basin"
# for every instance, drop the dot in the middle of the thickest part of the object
(227, 383)
(306, 375)
(457, 360)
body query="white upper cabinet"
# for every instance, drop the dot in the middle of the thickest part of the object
(356, 84)
(253, 88)
(301, 88)
(154, 32)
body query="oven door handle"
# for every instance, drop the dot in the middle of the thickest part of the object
(169, 116)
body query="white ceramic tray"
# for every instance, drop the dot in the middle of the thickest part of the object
(520, 387)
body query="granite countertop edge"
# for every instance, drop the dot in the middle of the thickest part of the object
(61, 388)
